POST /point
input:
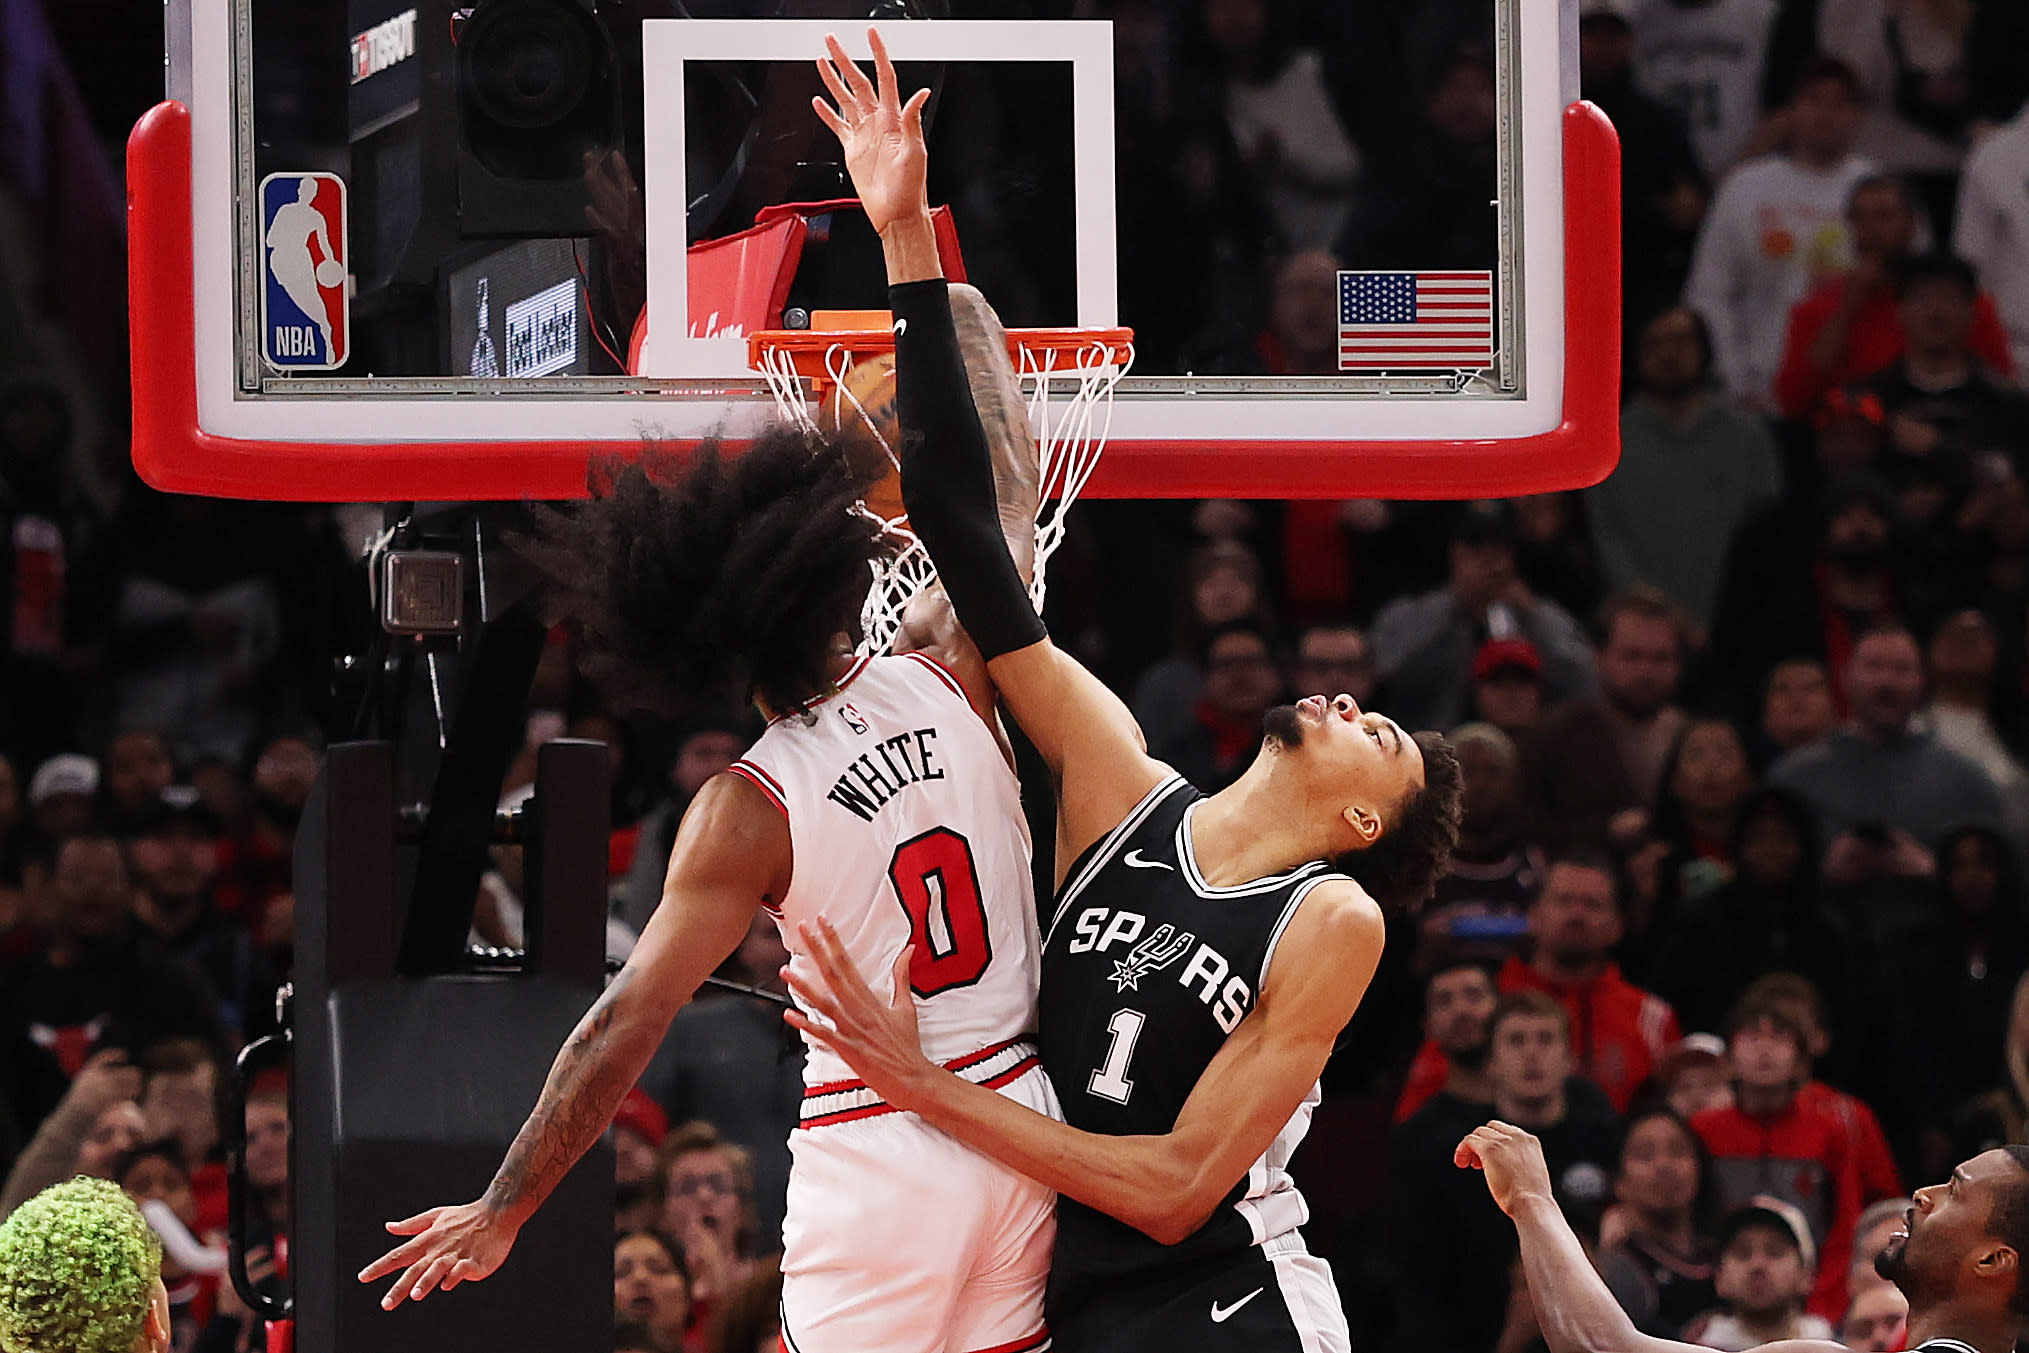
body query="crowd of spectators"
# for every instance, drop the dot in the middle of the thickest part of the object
(1738, 922)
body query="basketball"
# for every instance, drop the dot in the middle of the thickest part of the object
(330, 273)
(863, 406)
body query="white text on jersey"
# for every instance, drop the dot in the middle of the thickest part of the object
(1208, 973)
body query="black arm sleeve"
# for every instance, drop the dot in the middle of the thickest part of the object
(947, 474)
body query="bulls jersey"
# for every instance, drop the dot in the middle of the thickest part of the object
(905, 826)
(1146, 972)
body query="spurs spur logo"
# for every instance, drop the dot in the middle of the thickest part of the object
(1151, 956)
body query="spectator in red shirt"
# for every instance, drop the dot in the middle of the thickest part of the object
(1618, 1031)
(1772, 1140)
(1850, 326)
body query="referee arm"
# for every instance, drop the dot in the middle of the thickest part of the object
(1575, 1310)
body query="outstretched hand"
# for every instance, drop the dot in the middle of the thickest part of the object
(882, 137)
(876, 1037)
(1513, 1161)
(450, 1245)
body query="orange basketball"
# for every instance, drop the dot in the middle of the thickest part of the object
(863, 405)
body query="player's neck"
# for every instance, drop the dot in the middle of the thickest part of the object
(835, 669)
(1252, 829)
(1988, 1331)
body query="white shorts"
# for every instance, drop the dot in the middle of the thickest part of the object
(901, 1240)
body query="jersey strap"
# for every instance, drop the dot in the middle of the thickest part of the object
(1095, 859)
(843, 1101)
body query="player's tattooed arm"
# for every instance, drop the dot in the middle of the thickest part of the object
(591, 1075)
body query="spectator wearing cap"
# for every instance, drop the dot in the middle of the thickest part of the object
(1618, 1031)
(1479, 909)
(1656, 1250)
(96, 981)
(1942, 400)
(727, 1060)
(1883, 792)
(1850, 325)
(1770, 1141)
(1507, 685)
(62, 794)
(172, 852)
(1692, 1076)
(1686, 455)
(1424, 645)
(1590, 769)
(1453, 1254)
(1767, 1267)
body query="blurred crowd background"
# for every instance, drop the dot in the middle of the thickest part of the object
(1738, 924)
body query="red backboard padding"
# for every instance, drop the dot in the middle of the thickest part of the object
(172, 452)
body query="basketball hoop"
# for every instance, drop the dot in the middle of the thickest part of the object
(807, 369)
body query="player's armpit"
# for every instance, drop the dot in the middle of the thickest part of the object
(1086, 735)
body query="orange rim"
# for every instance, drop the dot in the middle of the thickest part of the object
(1060, 351)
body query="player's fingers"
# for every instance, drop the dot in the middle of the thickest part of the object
(798, 1021)
(401, 1256)
(889, 88)
(829, 117)
(432, 1276)
(812, 998)
(416, 1225)
(861, 88)
(912, 111)
(827, 70)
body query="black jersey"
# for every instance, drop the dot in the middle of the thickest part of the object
(1147, 969)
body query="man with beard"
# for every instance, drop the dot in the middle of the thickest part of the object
(1458, 1000)
(1958, 1256)
(1882, 792)
(1589, 768)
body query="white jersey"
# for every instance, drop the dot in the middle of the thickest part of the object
(1707, 62)
(905, 823)
(1993, 228)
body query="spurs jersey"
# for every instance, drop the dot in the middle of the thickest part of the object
(906, 826)
(1146, 972)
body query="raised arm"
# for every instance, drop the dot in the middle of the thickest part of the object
(731, 854)
(1082, 729)
(1575, 1310)
(1166, 1186)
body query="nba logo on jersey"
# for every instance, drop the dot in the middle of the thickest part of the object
(305, 317)
(852, 717)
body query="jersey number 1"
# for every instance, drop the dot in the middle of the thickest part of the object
(938, 887)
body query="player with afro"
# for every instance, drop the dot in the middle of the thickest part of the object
(81, 1272)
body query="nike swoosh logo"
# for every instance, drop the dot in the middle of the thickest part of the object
(1221, 1314)
(901, 327)
(1132, 862)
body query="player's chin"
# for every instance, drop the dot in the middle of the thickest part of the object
(1283, 726)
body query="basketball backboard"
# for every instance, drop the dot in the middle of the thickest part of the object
(363, 265)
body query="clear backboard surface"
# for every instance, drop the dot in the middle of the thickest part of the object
(409, 249)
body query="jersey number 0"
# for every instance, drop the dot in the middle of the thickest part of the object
(938, 887)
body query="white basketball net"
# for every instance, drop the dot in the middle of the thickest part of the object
(1070, 431)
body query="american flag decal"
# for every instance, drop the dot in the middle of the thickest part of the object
(1407, 321)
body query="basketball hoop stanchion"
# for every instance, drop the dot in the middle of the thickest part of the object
(1069, 376)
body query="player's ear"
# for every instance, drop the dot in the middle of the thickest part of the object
(2000, 1261)
(1366, 823)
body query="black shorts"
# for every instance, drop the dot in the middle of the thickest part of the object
(1249, 1303)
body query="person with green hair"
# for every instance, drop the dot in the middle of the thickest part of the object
(81, 1272)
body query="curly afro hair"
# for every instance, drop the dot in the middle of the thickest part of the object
(78, 1267)
(1414, 852)
(695, 577)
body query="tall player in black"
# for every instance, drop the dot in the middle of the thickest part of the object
(1203, 953)
(1960, 1256)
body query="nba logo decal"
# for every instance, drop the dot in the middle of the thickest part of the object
(305, 317)
(852, 717)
